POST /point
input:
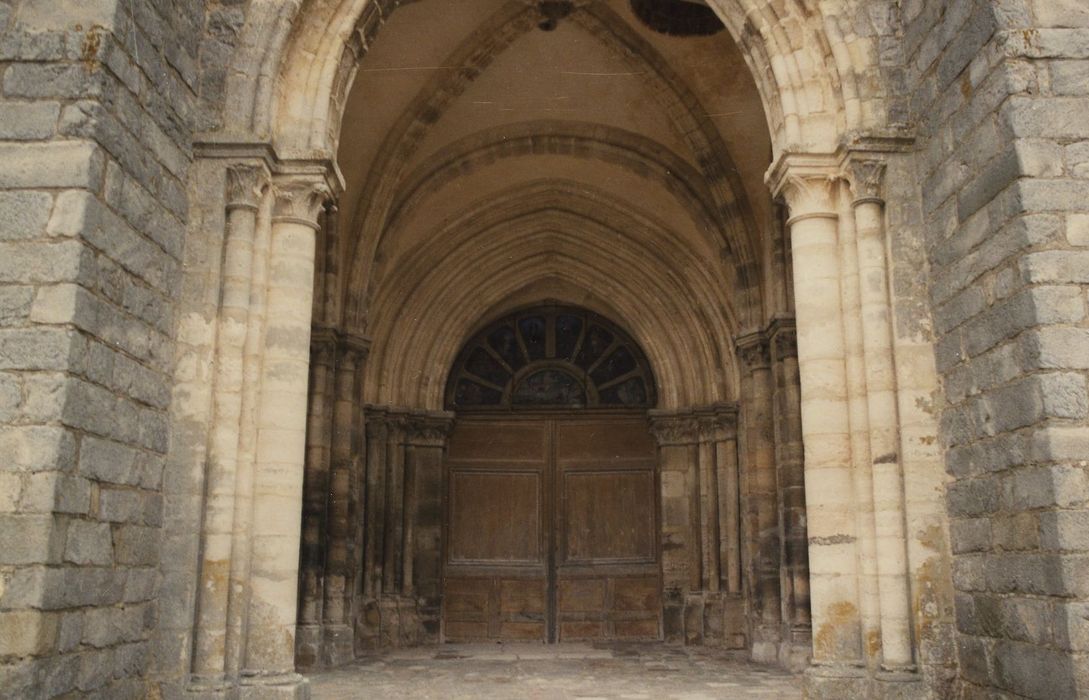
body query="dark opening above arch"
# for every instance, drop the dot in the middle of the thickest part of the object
(551, 357)
(678, 17)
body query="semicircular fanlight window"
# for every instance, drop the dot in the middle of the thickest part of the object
(551, 357)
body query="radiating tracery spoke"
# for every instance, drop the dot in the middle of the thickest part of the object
(551, 357)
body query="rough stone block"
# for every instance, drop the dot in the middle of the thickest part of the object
(1021, 531)
(95, 669)
(109, 461)
(52, 165)
(28, 121)
(1077, 229)
(137, 545)
(89, 543)
(36, 448)
(35, 348)
(106, 627)
(15, 304)
(1046, 486)
(1071, 624)
(1065, 530)
(23, 214)
(1047, 118)
(29, 539)
(1033, 671)
(27, 632)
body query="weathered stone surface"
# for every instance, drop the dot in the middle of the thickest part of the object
(124, 423)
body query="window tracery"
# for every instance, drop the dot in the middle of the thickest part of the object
(551, 357)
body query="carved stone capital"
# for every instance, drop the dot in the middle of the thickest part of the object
(785, 345)
(753, 351)
(718, 422)
(783, 335)
(672, 428)
(808, 183)
(246, 186)
(298, 199)
(377, 422)
(355, 347)
(867, 178)
(811, 196)
(428, 429)
(323, 345)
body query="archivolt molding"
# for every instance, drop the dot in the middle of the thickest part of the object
(808, 61)
(638, 154)
(563, 199)
(420, 377)
(670, 309)
(717, 169)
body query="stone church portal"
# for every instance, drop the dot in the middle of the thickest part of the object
(738, 339)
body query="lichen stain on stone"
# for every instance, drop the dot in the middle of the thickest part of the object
(216, 574)
(930, 405)
(932, 537)
(927, 598)
(832, 539)
(92, 42)
(873, 644)
(828, 642)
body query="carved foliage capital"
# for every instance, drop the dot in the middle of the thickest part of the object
(299, 199)
(671, 429)
(428, 430)
(246, 185)
(323, 344)
(354, 348)
(753, 351)
(377, 422)
(785, 344)
(718, 423)
(867, 179)
(811, 194)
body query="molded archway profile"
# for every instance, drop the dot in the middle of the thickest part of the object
(550, 357)
(296, 62)
(818, 79)
(672, 298)
(732, 214)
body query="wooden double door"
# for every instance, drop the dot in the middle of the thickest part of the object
(551, 530)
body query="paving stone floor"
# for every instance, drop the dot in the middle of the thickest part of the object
(646, 671)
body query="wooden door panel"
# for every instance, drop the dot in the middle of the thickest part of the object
(596, 440)
(495, 517)
(520, 599)
(502, 441)
(581, 595)
(641, 594)
(495, 608)
(551, 524)
(608, 516)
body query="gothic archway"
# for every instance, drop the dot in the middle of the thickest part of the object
(717, 316)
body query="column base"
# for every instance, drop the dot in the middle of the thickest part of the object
(203, 689)
(287, 686)
(766, 644)
(900, 685)
(796, 651)
(836, 682)
(338, 646)
(308, 647)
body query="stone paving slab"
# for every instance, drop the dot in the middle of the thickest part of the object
(538, 672)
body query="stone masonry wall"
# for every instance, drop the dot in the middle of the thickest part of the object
(96, 103)
(1001, 89)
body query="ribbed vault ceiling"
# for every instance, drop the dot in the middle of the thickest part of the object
(490, 164)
